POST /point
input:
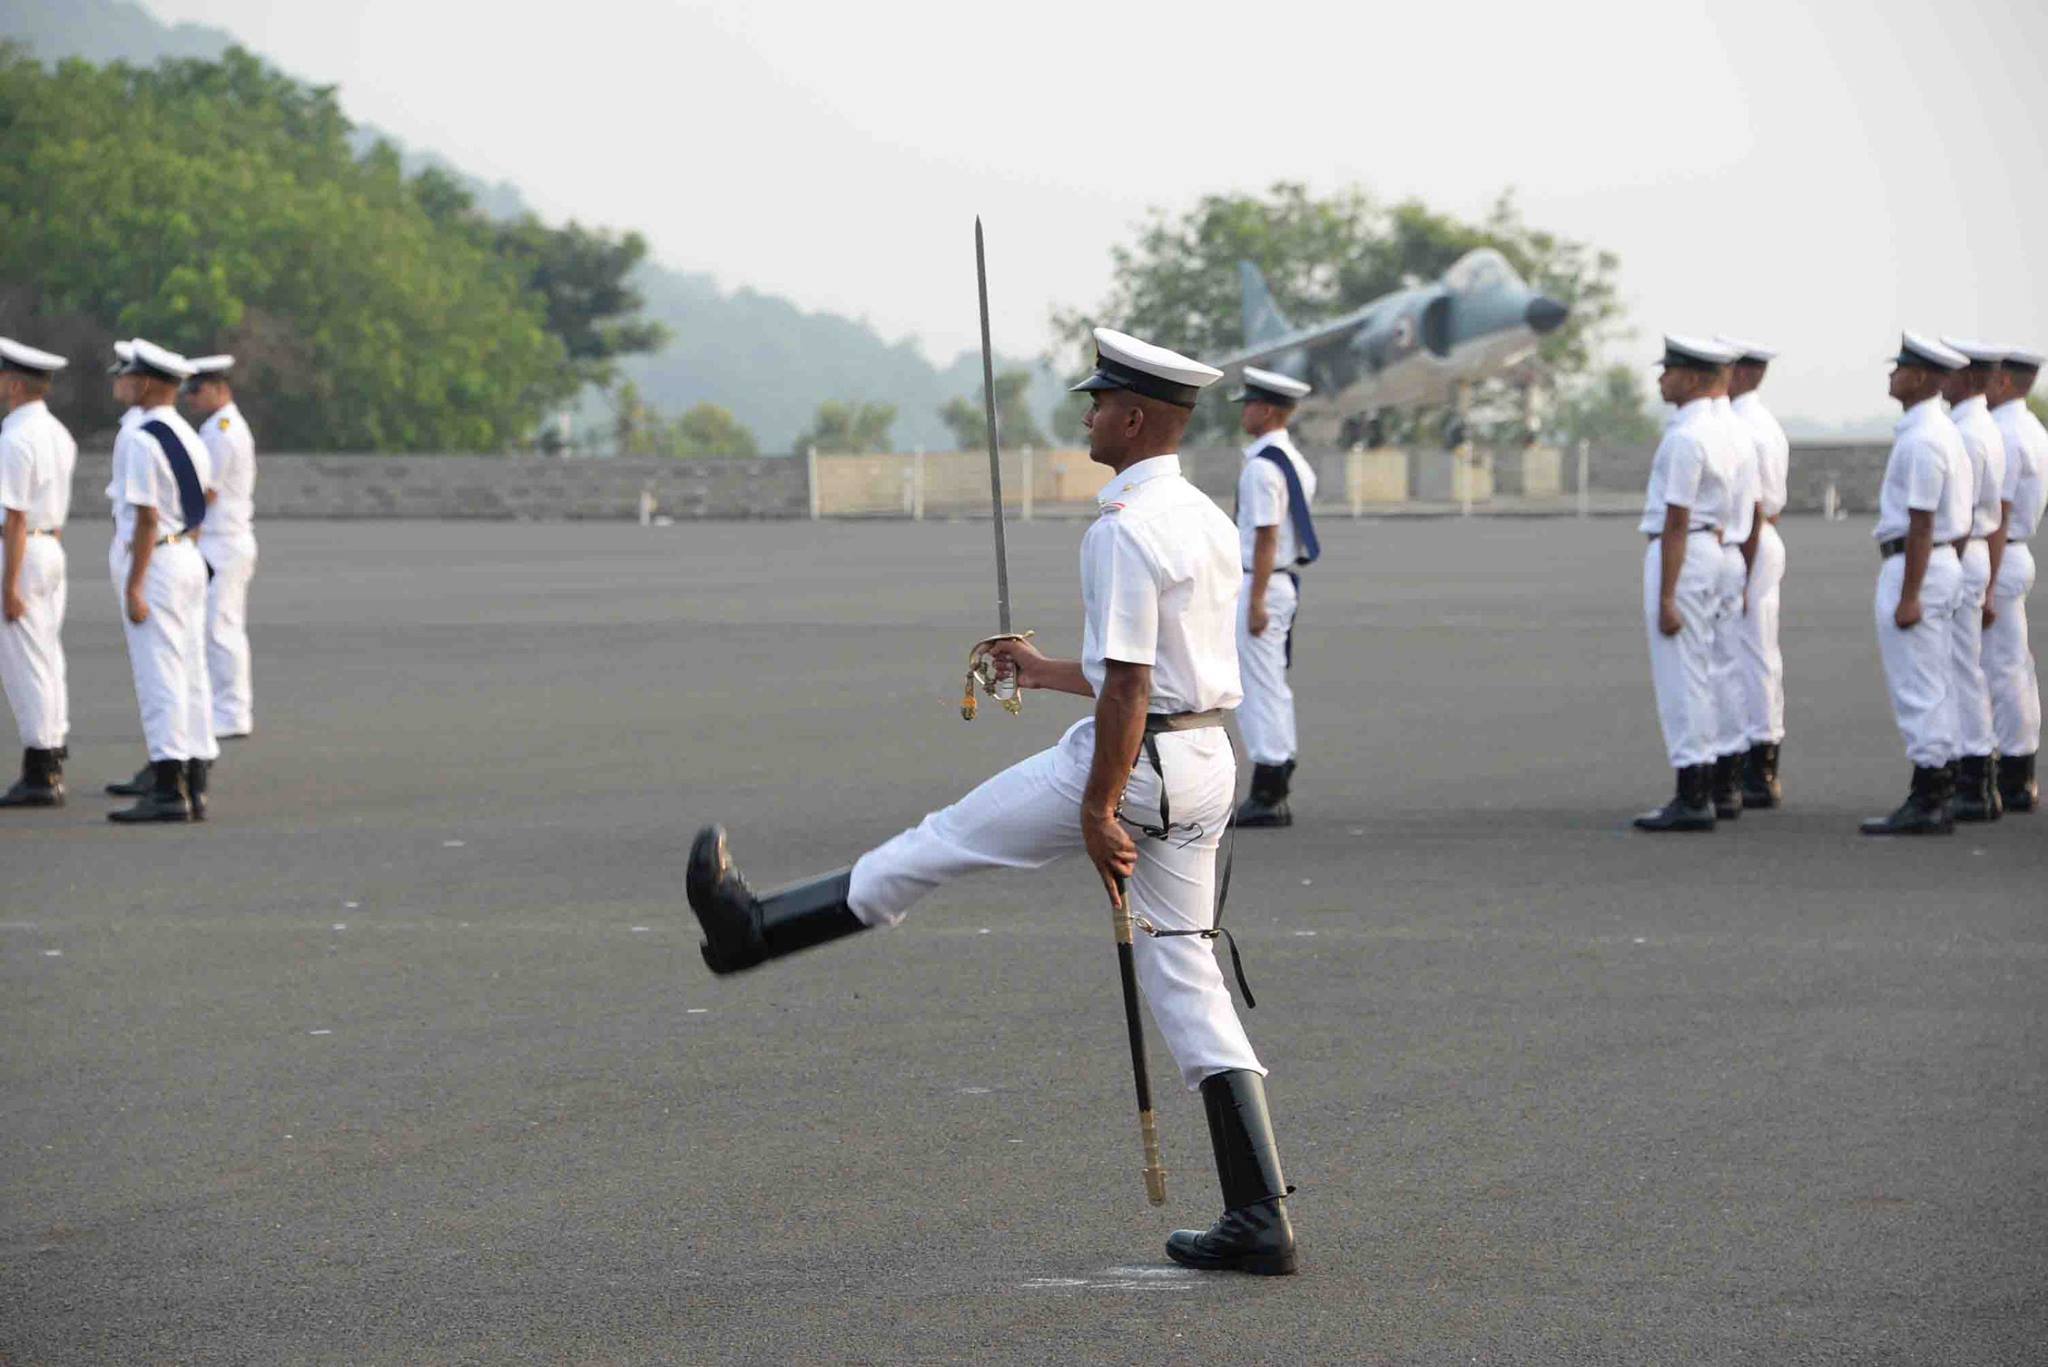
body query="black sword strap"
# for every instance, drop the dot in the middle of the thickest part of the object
(1164, 831)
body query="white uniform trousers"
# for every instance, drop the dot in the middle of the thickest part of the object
(1966, 652)
(1030, 814)
(1266, 716)
(1681, 666)
(2009, 660)
(1918, 670)
(167, 654)
(1762, 664)
(32, 649)
(233, 561)
(1731, 700)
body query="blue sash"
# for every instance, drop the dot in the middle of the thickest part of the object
(1306, 547)
(191, 498)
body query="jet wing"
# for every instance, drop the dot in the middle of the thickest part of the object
(1299, 340)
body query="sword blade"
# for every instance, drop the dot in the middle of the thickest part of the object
(995, 460)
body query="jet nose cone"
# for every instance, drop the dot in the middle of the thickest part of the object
(1544, 314)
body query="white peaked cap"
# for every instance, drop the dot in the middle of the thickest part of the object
(1980, 352)
(1754, 352)
(1124, 362)
(17, 356)
(1698, 351)
(1272, 386)
(210, 365)
(2019, 355)
(1919, 349)
(149, 358)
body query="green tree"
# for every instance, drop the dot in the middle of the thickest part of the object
(967, 419)
(581, 274)
(842, 428)
(1609, 409)
(709, 430)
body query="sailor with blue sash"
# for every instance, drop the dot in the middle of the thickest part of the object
(161, 474)
(1276, 536)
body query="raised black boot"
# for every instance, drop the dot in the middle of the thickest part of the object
(1266, 804)
(1925, 810)
(139, 786)
(197, 772)
(1727, 773)
(1254, 1234)
(2017, 789)
(1691, 808)
(742, 929)
(165, 800)
(1760, 777)
(41, 783)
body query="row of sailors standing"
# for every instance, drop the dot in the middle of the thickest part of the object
(181, 559)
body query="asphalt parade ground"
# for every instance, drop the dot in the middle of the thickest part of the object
(407, 1054)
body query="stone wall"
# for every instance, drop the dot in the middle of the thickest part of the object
(1855, 468)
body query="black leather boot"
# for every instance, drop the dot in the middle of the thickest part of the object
(41, 783)
(1760, 777)
(165, 801)
(1266, 804)
(742, 929)
(139, 786)
(2017, 790)
(197, 772)
(1925, 810)
(1727, 773)
(1691, 808)
(1994, 800)
(1254, 1234)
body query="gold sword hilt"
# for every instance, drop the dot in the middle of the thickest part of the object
(981, 669)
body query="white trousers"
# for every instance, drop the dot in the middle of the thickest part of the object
(1681, 666)
(1918, 669)
(1731, 699)
(1266, 716)
(233, 561)
(1762, 664)
(32, 649)
(2009, 660)
(1966, 652)
(1030, 814)
(167, 655)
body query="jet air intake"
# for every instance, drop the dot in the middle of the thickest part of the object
(1544, 315)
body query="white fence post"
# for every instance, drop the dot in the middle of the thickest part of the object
(811, 474)
(1030, 470)
(917, 487)
(1585, 495)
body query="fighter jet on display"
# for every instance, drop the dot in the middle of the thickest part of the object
(1414, 346)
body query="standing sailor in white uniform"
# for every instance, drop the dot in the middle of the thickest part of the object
(2009, 671)
(37, 456)
(162, 471)
(1762, 664)
(1738, 545)
(1276, 537)
(1684, 510)
(1144, 786)
(1923, 510)
(1976, 786)
(227, 539)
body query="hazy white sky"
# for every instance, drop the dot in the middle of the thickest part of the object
(1815, 176)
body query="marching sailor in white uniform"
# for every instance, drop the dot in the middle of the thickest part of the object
(1761, 663)
(2009, 672)
(37, 456)
(227, 539)
(1976, 786)
(1276, 537)
(161, 474)
(1923, 510)
(1685, 510)
(1143, 786)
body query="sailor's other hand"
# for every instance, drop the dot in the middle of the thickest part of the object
(1907, 615)
(1109, 848)
(15, 607)
(138, 607)
(1256, 618)
(1019, 660)
(1668, 621)
(1990, 614)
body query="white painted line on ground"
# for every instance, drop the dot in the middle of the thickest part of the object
(53, 954)
(319, 1032)
(695, 1010)
(452, 844)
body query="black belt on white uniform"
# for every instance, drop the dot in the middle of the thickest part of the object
(1155, 723)
(175, 538)
(55, 533)
(1897, 546)
(1690, 531)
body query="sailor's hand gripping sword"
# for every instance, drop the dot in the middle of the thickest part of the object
(982, 666)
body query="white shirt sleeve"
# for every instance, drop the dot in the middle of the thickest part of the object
(1682, 470)
(15, 472)
(1264, 490)
(137, 459)
(1130, 598)
(1924, 470)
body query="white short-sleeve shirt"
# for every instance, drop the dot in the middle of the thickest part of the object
(1986, 450)
(1159, 584)
(1687, 472)
(1928, 472)
(1773, 452)
(233, 452)
(143, 471)
(2026, 466)
(1739, 449)
(37, 456)
(1262, 499)
(128, 420)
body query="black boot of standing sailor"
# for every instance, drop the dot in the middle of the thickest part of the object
(197, 771)
(41, 783)
(1691, 808)
(165, 800)
(1266, 804)
(743, 929)
(1254, 1234)
(1926, 808)
(1728, 786)
(1760, 786)
(2017, 789)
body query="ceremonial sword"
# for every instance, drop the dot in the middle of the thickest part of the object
(981, 667)
(1148, 1128)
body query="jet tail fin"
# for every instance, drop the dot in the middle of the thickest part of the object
(1263, 320)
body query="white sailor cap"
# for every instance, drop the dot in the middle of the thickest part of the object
(147, 358)
(1124, 362)
(2025, 358)
(1269, 386)
(29, 360)
(1925, 352)
(206, 368)
(1747, 352)
(1978, 353)
(1695, 353)
(124, 352)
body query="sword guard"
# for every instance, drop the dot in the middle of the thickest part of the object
(981, 669)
